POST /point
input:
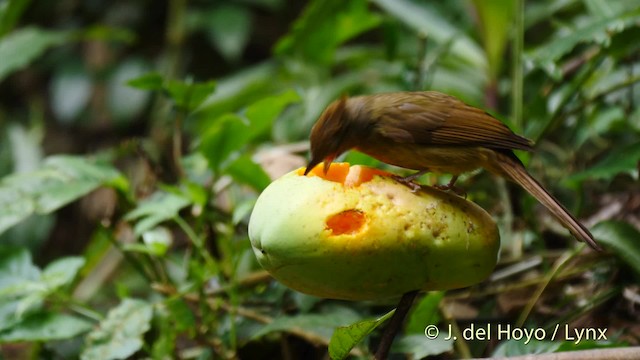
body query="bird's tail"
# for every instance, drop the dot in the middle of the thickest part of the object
(515, 171)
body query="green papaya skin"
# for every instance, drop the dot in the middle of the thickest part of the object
(374, 240)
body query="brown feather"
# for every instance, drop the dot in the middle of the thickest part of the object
(435, 119)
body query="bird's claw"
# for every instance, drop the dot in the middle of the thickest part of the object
(455, 189)
(409, 182)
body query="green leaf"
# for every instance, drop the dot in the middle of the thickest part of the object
(61, 180)
(618, 160)
(598, 28)
(426, 20)
(156, 242)
(321, 325)
(225, 137)
(424, 313)
(181, 315)
(23, 46)
(245, 171)
(10, 13)
(346, 338)
(262, 113)
(229, 29)
(120, 334)
(159, 207)
(420, 347)
(45, 327)
(496, 20)
(622, 239)
(61, 271)
(150, 81)
(323, 26)
(188, 96)
(16, 269)
(513, 347)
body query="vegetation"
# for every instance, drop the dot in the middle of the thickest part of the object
(136, 137)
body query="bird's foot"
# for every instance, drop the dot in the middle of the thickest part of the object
(410, 180)
(451, 187)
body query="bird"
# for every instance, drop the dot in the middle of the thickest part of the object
(429, 131)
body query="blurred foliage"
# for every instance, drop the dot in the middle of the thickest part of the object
(136, 137)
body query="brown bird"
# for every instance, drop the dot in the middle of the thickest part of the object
(430, 131)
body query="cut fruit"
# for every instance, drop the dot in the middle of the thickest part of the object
(356, 233)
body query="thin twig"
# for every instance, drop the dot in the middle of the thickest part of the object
(395, 324)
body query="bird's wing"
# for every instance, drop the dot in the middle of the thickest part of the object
(442, 120)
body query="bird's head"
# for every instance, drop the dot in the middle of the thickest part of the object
(331, 135)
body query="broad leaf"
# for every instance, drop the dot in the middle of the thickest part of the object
(321, 325)
(598, 29)
(188, 96)
(45, 327)
(622, 239)
(60, 181)
(346, 338)
(120, 334)
(428, 21)
(424, 313)
(223, 139)
(263, 113)
(16, 269)
(245, 171)
(23, 46)
(618, 160)
(420, 346)
(325, 25)
(159, 207)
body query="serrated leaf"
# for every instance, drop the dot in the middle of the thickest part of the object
(23, 46)
(45, 327)
(159, 207)
(424, 313)
(622, 239)
(61, 180)
(345, 338)
(119, 335)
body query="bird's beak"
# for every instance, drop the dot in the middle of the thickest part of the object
(312, 164)
(327, 164)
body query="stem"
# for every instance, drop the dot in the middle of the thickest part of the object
(560, 263)
(395, 324)
(175, 35)
(177, 144)
(460, 344)
(518, 74)
(197, 242)
(420, 66)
